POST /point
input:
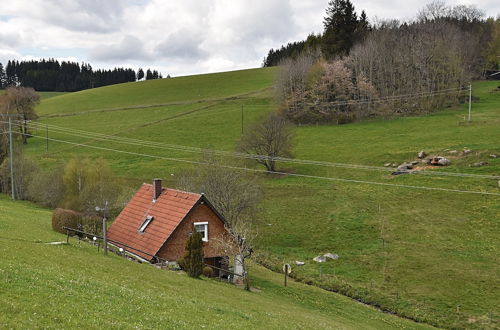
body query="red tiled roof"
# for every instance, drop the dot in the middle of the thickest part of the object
(170, 208)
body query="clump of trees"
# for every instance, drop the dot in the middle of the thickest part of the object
(80, 185)
(390, 69)
(52, 75)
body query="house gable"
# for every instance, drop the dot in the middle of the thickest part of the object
(174, 247)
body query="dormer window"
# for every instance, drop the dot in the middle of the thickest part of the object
(202, 228)
(145, 224)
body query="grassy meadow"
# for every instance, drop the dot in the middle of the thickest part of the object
(429, 255)
(72, 286)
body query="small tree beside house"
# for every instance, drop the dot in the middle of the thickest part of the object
(192, 262)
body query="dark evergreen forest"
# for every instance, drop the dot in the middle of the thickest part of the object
(52, 75)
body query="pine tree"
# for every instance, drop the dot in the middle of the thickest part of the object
(140, 74)
(340, 26)
(192, 262)
(149, 75)
(2, 76)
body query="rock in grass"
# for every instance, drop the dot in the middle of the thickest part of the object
(387, 164)
(493, 156)
(422, 154)
(479, 164)
(319, 259)
(466, 151)
(331, 256)
(439, 161)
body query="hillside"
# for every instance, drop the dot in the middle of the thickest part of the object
(63, 286)
(427, 254)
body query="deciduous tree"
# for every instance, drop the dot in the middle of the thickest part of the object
(269, 139)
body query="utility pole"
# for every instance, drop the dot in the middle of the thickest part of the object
(242, 120)
(11, 154)
(470, 100)
(104, 234)
(104, 230)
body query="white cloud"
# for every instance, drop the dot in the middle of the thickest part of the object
(176, 37)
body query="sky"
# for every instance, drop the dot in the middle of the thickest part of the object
(174, 37)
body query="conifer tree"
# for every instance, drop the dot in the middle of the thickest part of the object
(192, 262)
(340, 26)
(140, 74)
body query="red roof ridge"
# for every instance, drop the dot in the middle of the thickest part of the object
(175, 190)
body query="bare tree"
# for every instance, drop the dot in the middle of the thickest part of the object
(236, 243)
(235, 195)
(21, 101)
(272, 137)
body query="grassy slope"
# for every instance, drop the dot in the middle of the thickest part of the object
(43, 95)
(188, 88)
(69, 286)
(440, 248)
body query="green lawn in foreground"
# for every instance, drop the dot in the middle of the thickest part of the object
(70, 286)
(426, 254)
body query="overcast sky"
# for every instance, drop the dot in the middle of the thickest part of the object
(175, 37)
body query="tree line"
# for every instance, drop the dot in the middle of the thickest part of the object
(430, 59)
(50, 75)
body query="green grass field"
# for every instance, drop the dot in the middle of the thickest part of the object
(428, 255)
(72, 286)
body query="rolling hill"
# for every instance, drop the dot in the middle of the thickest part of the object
(429, 254)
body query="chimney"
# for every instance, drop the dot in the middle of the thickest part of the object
(156, 188)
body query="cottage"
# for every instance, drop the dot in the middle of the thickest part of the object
(157, 221)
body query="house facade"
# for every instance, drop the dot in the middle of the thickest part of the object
(157, 221)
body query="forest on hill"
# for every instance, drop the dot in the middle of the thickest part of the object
(53, 76)
(355, 70)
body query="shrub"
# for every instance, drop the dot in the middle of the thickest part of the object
(208, 271)
(92, 224)
(46, 187)
(65, 218)
(193, 257)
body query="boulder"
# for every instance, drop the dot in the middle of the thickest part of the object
(444, 161)
(453, 152)
(439, 161)
(403, 169)
(331, 256)
(466, 151)
(299, 263)
(415, 162)
(387, 164)
(319, 259)
(479, 164)
(422, 154)
(494, 156)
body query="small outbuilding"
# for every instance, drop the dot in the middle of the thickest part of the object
(157, 221)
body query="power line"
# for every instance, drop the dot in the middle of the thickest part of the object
(130, 141)
(271, 172)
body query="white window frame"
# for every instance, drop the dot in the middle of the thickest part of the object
(205, 237)
(145, 224)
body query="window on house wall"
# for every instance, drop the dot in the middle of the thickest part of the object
(145, 224)
(202, 227)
